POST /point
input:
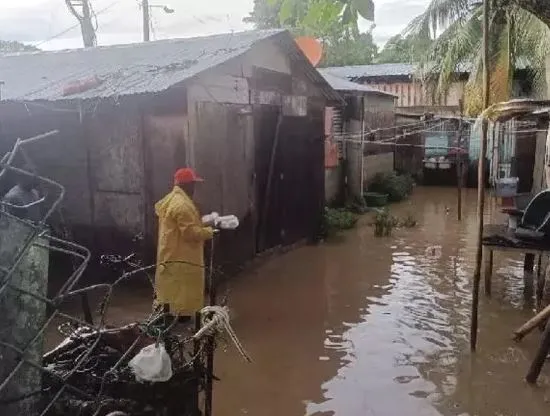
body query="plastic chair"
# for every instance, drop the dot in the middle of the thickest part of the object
(535, 221)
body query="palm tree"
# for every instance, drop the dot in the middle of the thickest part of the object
(518, 40)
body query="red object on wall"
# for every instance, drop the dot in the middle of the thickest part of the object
(331, 153)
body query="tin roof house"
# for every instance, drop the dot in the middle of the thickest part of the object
(244, 109)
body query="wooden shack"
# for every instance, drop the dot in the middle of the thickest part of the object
(365, 110)
(243, 109)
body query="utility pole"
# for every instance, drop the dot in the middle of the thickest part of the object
(146, 20)
(85, 20)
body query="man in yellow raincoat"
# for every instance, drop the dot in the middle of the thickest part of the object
(179, 280)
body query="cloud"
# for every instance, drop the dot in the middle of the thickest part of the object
(393, 16)
(119, 21)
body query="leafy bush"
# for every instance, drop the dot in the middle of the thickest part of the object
(337, 219)
(397, 187)
(384, 223)
(409, 221)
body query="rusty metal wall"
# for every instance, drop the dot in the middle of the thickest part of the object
(114, 139)
(62, 158)
(224, 156)
(165, 139)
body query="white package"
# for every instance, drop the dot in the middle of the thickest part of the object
(152, 363)
(211, 219)
(228, 222)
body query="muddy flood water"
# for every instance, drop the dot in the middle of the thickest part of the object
(380, 326)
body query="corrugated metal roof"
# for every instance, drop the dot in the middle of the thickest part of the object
(134, 68)
(342, 84)
(378, 70)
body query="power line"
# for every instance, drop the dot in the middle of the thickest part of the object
(77, 24)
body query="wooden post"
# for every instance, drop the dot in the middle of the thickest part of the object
(540, 358)
(541, 282)
(197, 368)
(211, 342)
(529, 262)
(362, 180)
(459, 166)
(531, 324)
(481, 181)
(488, 255)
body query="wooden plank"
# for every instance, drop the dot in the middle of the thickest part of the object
(540, 358)
(488, 255)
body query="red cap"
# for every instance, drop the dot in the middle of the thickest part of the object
(186, 175)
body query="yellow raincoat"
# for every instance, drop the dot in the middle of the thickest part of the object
(179, 280)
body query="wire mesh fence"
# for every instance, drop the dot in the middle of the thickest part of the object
(87, 373)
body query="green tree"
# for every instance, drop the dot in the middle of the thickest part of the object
(351, 50)
(408, 49)
(333, 22)
(518, 39)
(11, 46)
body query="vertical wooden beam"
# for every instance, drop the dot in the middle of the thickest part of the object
(481, 180)
(541, 281)
(459, 164)
(488, 255)
(362, 152)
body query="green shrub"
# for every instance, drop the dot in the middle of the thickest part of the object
(336, 220)
(397, 187)
(384, 223)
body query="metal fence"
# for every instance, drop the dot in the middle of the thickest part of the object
(87, 374)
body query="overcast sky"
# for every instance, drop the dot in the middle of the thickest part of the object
(41, 22)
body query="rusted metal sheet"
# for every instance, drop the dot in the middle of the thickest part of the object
(165, 141)
(116, 149)
(295, 106)
(120, 211)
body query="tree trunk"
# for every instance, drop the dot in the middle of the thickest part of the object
(539, 8)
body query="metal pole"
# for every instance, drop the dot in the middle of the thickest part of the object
(210, 347)
(146, 20)
(459, 166)
(362, 155)
(481, 179)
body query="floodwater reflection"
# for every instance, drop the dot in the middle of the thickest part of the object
(380, 326)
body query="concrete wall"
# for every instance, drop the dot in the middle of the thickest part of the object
(333, 182)
(375, 164)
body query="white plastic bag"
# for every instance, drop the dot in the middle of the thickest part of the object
(152, 363)
(228, 222)
(211, 219)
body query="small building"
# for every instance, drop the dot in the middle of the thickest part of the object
(414, 95)
(245, 109)
(347, 128)
(417, 92)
